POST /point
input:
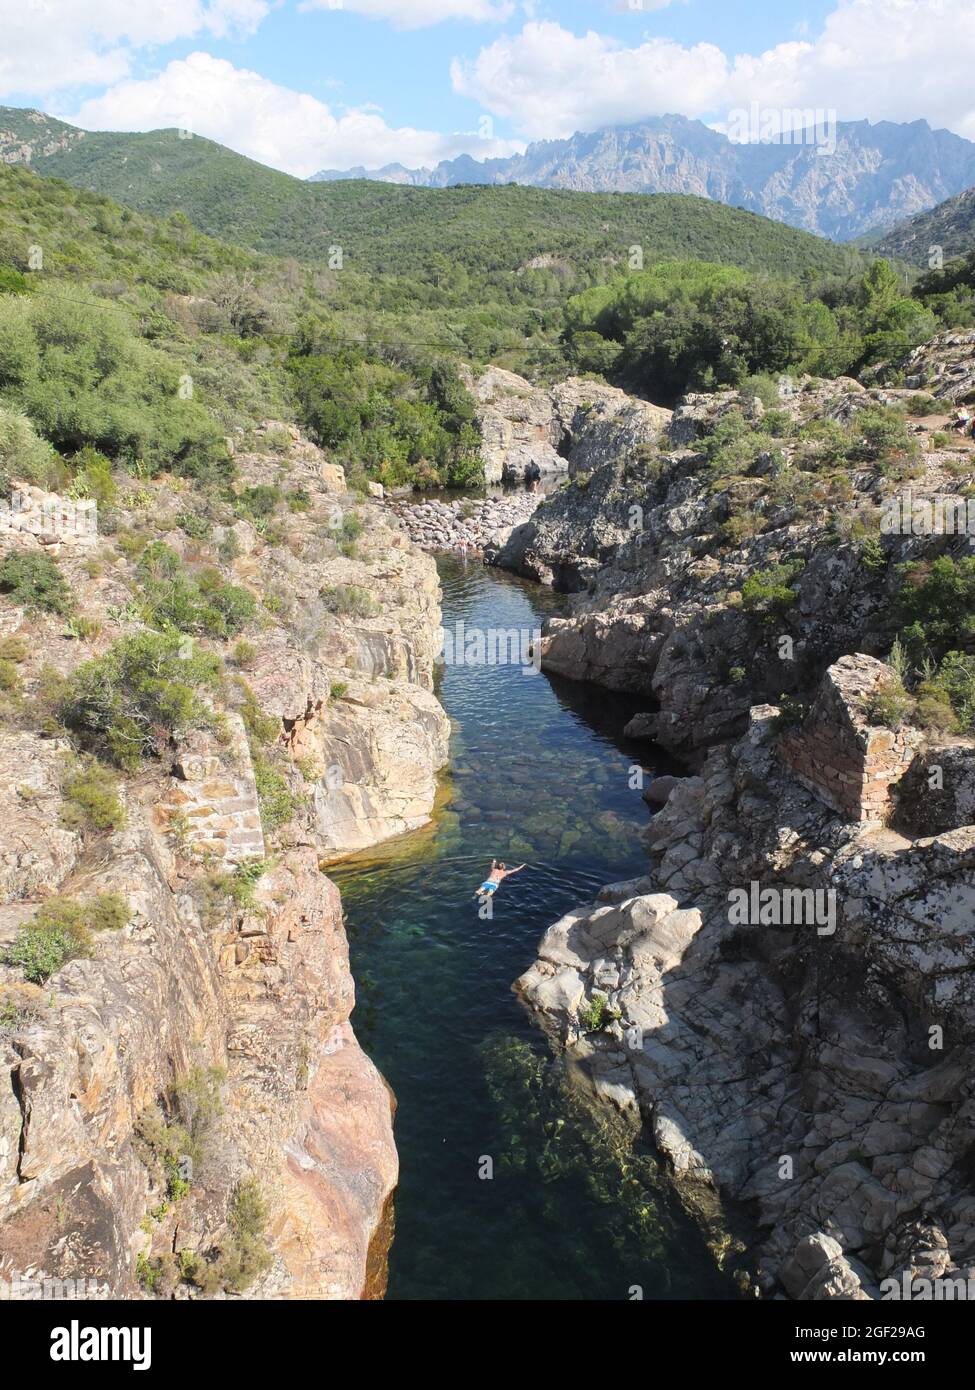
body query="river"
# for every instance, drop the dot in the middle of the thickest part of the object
(512, 1187)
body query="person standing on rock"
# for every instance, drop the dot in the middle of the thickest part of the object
(493, 880)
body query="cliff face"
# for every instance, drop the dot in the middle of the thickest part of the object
(210, 1022)
(813, 1067)
(786, 998)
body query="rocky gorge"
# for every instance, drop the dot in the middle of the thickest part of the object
(188, 1111)
(782, 1001)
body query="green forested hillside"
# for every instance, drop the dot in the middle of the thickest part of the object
(396, 230)
(950, 228)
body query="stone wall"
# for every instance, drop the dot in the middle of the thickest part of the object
(846, 762)
(214, 798)
(48, 517)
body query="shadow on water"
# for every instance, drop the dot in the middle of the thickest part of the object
(573, 1210)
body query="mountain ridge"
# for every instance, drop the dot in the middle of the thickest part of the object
(880, 174)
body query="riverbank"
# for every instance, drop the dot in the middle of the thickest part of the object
(465, 525)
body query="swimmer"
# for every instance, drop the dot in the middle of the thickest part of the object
(493, 880)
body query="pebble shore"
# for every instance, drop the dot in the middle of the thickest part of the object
(464, 525)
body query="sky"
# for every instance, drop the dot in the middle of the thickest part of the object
(305, 85)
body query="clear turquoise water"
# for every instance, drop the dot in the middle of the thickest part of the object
(573, 1210)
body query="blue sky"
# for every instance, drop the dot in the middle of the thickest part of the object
(305, 84)
(342, 57)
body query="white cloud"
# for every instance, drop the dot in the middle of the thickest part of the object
(551, 83)
(283, 128)
(420, 14)
(884, 59)
(52, 44)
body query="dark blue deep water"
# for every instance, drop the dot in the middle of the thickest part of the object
(575, 1210)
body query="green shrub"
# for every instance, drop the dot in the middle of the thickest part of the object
(352, 527)
(880, 431)
(152, 1273)
(91, 799)
(936, 604)
(33, 579)
(82, 629)
(247, 1256)
(40, 951)
(229, 548)
(24, 456)
(792, 713)
(85, 378)
(244, 881)
(741, 527)
(132, 543)
(276, 800)
(261, 728)
(934, 712)
(244, 654)
(93, 477)
(258, 503)
(200, 602)
(922, 405)
(769, 592)
(9, 677)
(890, 705)
(954, 684)
(13, 649)
(126, 704)
(13, 282)
(61, 930)
(593, 1014)
(823, 444)
(181, 1126)
(765, 387)
(873, 557)
(218, 889)
(196, 1099)
(195, 526)
(349, 601)
(201, 1273)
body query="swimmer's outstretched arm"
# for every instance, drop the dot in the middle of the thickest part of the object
(516, 871)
